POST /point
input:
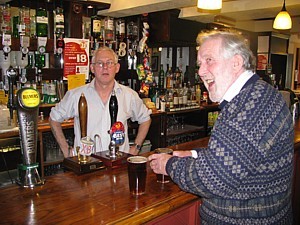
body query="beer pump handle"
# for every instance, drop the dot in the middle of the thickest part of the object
(113, 108)
(11, 74)
(83, 111)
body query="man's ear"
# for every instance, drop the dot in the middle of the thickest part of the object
(92, 68)
(117, 67)
(238, 62)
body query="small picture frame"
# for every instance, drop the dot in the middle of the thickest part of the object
(154, 63)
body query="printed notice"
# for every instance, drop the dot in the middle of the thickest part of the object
(76, 57)
(75, 81)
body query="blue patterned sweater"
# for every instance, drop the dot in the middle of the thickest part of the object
(244, 176)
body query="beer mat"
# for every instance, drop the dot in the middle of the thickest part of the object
(71, 163)
(113, 163)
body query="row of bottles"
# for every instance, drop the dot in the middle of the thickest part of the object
(169, 79)
(25, 23)
(29, 22)
(174, 99)
(51, 91)
(102, 29)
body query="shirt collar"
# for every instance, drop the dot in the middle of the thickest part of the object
(237, 86)
(117, 86)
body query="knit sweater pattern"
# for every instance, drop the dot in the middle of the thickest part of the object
(244, 176)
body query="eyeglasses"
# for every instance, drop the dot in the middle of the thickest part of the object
(101, 64)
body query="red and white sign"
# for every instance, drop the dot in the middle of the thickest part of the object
(76, 57)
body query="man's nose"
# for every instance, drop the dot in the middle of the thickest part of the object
(202, 71)
(105, 65)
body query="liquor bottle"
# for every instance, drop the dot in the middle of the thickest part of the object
(24, 21)
(180, 96)
(96, 28)
(113, 108)
(169, 76)
(15, 24)
(198, 94)
(41, 23)
(171, 99)
(120, 29)
(33, 26)
(157, 102)
(186, 75)
(189, 94)
(185, 95)
(175, 98)
(132, 30)
(161, 77)
(178, 77)
(6, 19)
(40, 60)
(109, 28)
(59, 21)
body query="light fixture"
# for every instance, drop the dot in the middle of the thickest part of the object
(283, 20)
(209, 4)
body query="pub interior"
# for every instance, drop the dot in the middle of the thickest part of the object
(156, 45)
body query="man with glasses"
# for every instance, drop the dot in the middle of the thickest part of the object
(97, 93)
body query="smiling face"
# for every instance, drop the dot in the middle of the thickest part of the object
(104, 73)
(217, 72)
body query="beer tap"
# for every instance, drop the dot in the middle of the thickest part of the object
(113, 112)
(27, 105)
(117, 128)
(11, 75)
(113, 108)
(86, 147)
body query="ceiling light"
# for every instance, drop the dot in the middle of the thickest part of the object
(209, 4)
(283, 20)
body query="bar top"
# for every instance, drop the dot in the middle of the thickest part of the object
(101, 197)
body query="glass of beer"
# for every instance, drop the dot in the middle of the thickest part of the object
(160, 177)
(137, 173)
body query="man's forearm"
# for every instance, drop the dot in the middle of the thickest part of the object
(142, 132)
(59, 136)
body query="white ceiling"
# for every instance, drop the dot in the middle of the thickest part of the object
(253, 15)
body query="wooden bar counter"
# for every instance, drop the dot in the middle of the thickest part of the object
(103, 197)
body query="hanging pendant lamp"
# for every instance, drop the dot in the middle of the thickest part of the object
(283, 20)
(209, 4)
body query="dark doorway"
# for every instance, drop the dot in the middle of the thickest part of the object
(279, 63)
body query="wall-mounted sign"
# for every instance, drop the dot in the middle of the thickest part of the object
(76, 57)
